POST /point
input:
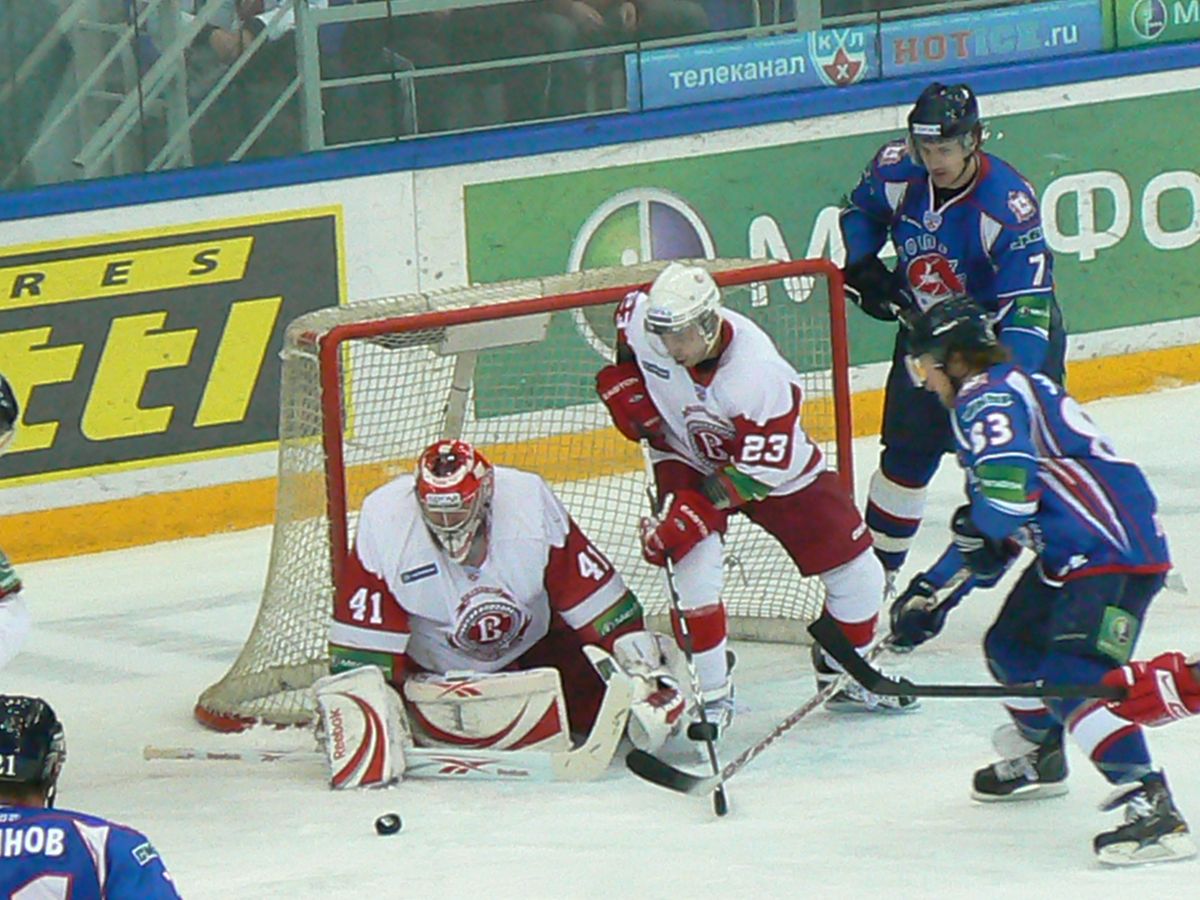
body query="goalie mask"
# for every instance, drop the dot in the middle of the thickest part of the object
(32, 745)
(683, 301)
(454, 490)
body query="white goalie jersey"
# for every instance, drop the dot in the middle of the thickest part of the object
(404, 599)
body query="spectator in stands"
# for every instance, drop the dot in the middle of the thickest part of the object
(248, 98)
(600, 23)
(25, 105)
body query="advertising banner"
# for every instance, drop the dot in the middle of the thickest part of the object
(1142, 22)
(990, 37)
(158, 345)
(673, 76)
(1124, 226)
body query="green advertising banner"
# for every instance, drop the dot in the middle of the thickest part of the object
(1142, 22)
(1121, 214)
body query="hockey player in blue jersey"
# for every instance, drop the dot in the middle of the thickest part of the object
(961, 220)
(59, 854)
(1040, 474)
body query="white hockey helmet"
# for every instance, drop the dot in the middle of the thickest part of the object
(681, 296)
(455, 484)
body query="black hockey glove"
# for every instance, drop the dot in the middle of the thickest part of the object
(920, 612)
(986, 557)
(875, 289)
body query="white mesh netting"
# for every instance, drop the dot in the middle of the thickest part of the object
(521, 389)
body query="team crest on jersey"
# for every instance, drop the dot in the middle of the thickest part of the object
(933, 278)
(711, 439)
(489, 621)
(840, 54)
(932, 220)
(1022, 205)
(701, 391)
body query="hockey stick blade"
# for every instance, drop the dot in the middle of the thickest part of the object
(654, 770)
(651, 768)
(825, 631)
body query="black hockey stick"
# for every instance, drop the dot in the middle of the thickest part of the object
(654, 770)
(703, 730)
(827, 633)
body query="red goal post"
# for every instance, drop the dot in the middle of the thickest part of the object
(509, 367)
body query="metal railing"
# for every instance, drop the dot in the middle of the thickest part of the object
(145, 92)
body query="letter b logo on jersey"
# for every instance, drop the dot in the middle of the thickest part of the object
(489, 622)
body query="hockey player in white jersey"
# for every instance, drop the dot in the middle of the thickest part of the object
(722, 410)
(14, 612)
(466, 567)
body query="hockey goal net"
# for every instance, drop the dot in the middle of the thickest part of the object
(510, 368)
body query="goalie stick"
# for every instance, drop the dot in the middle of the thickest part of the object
(653, 769)
(826, 633)
(586, 762)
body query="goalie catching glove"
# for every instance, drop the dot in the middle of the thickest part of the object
(1160, 691)
(623, 391)
(660, 705)
(688, 518)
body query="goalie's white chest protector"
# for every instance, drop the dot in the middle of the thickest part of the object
(460, 617)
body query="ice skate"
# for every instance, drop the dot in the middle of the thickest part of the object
(1029, 771)
(851, 696)
(1154, 831)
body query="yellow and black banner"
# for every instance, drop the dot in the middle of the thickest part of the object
(151, 347)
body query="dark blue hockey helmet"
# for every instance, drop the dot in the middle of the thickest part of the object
(9, 412)
(957, 323)
(32, 745)
(943, 112)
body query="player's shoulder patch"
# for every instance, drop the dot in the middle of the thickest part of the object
(144, 853)
(1021, 205)
(1007, 195)
(891, 153)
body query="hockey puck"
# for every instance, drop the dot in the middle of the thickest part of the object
(702, 731)
(387, 824)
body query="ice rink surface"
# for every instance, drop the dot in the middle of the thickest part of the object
(843, 806)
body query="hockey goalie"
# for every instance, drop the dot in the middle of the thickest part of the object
(461, 621)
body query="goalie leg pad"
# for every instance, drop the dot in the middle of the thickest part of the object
(363, 728)
(522, 710)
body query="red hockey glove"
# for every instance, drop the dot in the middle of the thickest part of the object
(623, 391)
(1160, 691)
(688, 519)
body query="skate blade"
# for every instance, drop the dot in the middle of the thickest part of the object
(1029, 792)
(1168, 848)
(857, 707)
